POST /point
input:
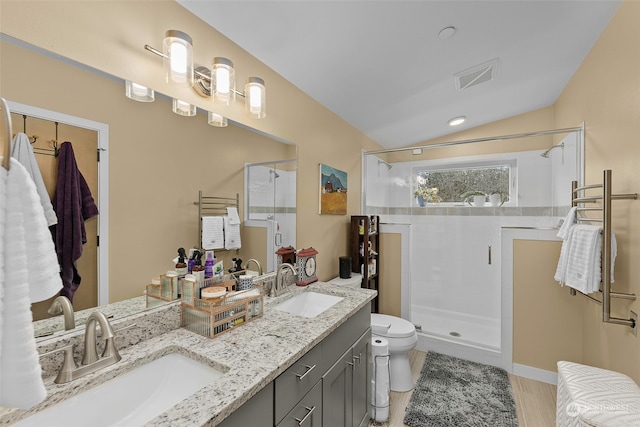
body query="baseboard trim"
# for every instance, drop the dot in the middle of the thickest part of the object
(537, 374)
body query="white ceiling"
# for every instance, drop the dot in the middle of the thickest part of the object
(381, 66)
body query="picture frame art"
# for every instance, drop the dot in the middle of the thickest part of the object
(333, 191)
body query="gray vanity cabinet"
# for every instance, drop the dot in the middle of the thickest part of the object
(257, 411)
(361, 380)
(328, 386)
(337, 388)
(345, 387)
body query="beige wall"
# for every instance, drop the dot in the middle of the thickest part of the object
(605, 93)
(547, 320)
(390, 270)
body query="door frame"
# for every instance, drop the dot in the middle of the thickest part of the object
(102, 130)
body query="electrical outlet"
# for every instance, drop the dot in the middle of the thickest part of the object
(634, 317)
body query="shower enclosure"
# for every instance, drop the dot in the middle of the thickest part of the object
(270, 202)
(452, 287)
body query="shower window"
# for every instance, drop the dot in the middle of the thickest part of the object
(452, 180)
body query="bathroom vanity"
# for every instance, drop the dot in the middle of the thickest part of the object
(274, 369)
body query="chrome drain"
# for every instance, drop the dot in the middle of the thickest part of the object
(455, 334)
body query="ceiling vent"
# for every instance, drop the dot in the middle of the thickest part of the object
(476, 75)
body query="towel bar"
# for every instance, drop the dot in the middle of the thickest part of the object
(606, 197)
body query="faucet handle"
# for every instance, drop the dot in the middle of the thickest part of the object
(65, 373)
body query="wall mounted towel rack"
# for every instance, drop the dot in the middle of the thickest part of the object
(213, 206)
(578, 199)
(6, 135)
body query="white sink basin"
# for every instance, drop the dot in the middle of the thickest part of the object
(308, 304)
(131, 399)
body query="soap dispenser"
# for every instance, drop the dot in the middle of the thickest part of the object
(198, 269)
(181, 265)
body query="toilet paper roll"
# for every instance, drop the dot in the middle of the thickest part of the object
(380, 379)
(379, 347)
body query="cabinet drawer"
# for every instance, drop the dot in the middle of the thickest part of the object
(307, 413)
(297, 381)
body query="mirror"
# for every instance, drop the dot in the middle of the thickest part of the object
(158, 162)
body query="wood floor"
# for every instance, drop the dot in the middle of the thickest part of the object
(535, 401)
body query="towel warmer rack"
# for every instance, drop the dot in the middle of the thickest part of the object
(213, 206)
(6, 157)
(606, 197)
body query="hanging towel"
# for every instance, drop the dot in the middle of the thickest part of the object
(23, 152)
(212, 232)
(581, 259)
(73, 204)
(24, 236)
(231, 234)
(569, 221)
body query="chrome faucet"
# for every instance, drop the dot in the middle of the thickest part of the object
(279, 286)
(70, 370)
(62, 305)
(255, 261)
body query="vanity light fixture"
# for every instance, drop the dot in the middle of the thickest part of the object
(217, 120)
(255, 105)
(138, 92)
(183, 108)
(217, 82)
(457, 121)
(177, 49)
(223, 81)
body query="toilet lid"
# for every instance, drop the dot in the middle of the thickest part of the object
(400, 328)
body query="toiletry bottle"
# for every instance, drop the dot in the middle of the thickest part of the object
(192, 260)
(181, 265)
(208, 265)
(198, 269)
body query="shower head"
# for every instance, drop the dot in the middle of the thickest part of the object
(275, 174)
(546, 152)
(385, 163)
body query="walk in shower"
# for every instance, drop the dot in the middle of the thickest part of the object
(270, 200)
(452, 288)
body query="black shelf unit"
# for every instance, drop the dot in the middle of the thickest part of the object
(365, 247)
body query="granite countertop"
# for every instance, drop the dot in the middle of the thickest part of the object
(251, 356)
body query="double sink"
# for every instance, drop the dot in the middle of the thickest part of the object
(141, 394)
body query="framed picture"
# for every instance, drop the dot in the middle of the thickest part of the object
(333, 191)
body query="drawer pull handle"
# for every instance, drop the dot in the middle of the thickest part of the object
(350, 363)
(309, 369)
(357, 358)
(309, 412)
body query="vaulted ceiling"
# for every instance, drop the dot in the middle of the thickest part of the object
(384, 67)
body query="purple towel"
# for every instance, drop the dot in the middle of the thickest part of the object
(73, 204)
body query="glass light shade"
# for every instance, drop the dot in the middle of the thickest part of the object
(138, 92)
(178, 58)
(255, 104)
(223, 81)
(217, 120)
(183, 108)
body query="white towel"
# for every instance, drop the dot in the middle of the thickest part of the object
(569, 221)
(583, 258)
(231, 234)
(232, 213)
(25, 237)
(23, 152)
(212, 232)
(580, 261)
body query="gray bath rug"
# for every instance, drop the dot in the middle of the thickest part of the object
(452, 392)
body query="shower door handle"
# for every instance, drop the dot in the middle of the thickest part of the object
(489, 253)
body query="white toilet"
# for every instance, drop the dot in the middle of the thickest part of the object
(401, 335)
(402, 338)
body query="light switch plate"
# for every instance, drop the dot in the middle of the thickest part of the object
(634, 317)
